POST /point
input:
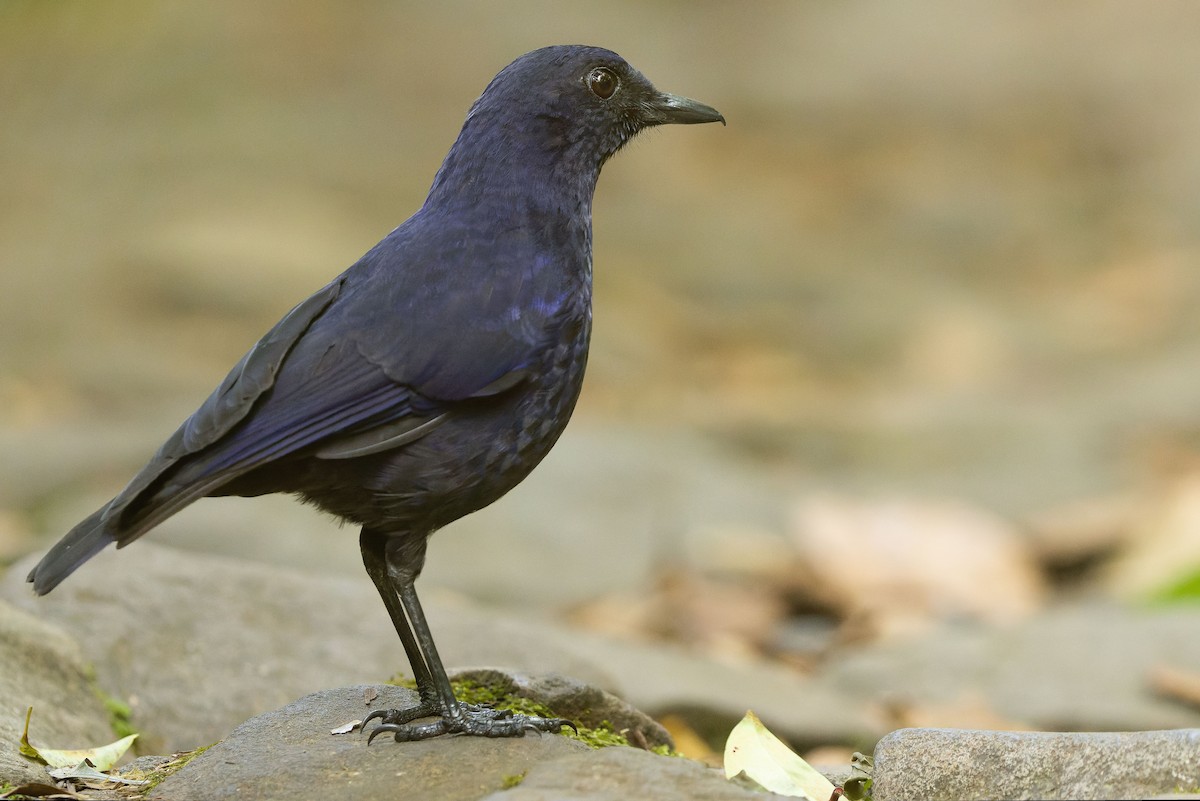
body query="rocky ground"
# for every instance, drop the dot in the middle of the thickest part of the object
(889, 434)
(206, 649)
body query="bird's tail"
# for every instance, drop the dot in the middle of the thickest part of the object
(82, 543)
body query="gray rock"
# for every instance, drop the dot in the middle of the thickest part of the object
(1079, 668)
(625, 773)
(289, 753)
(198, 644)
(964, 764)
(43, 667)
(713, 696)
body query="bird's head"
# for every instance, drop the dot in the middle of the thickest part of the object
(568, 108)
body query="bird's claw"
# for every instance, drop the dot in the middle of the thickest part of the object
(398, 717)
(470, 719)
(382, 727)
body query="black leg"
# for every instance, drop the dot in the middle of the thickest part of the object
(374, 547)
(394, 568)
(440, 682)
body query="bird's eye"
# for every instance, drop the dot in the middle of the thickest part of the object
(603, 82)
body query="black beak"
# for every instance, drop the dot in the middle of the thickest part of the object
(668, 109)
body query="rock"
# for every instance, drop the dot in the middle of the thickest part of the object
(43, 667)
(963, 764)
(1075, 668)
(625, 773)
(289, 753)
(713, 696)
(242, 638)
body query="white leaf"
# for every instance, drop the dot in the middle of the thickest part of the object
(346, 728)
(752, 749)
(85, 771)
(102, 757)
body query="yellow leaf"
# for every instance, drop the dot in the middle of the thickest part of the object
(752, 749)
(102, 757)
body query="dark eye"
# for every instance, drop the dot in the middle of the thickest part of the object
(603, 82)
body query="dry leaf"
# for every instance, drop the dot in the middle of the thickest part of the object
(102, 757)
(752, 750)
(346, 728)
(49, 792)
(85, 772)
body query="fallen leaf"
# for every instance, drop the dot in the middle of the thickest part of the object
(754, 751)
(346, 728)
(369, 695)
(102, 757)
(49, 792)
(25, 748)
(86, 773)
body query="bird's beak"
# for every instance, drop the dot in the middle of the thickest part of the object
(668, 109)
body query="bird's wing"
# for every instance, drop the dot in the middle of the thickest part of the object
(315, 380)
(375, 360)
(232, 401)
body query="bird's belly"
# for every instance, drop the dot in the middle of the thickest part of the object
(485, 448)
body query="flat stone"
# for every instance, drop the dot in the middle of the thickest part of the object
(242, 638)
(290, 753)
(625, 773)
(1083, 667)
(198, 644)
(965, 764)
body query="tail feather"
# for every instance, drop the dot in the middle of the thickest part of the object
(79, 545)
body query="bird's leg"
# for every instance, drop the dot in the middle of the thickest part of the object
(373, 546)
(404, 559)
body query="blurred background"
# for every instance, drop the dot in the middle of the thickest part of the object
(910, 344)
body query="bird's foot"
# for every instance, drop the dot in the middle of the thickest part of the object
(472, 719)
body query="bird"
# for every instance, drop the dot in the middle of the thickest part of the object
(431, 376)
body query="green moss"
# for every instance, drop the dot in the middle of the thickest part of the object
(511, 781)
(602, 736)
(499, 696)
(155, 777)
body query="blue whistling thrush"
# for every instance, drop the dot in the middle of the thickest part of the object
(433, 375)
